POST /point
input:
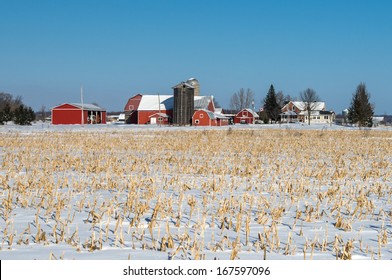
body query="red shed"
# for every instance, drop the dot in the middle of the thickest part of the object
(159, 118)
(71, 113)
(221, 120)
(246, 116)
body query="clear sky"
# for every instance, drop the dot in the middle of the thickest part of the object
(116, 48)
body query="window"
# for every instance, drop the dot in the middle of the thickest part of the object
(196, 121)
(244, 114)
(130, 107)
(325, 117)
(318, 117)
(201, 115)
(160, 119)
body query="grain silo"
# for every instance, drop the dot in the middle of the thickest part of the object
(195, 83)
(183, 103)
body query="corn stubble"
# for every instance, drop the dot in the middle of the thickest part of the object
(192, 194)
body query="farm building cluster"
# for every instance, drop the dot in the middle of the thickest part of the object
(184, 107)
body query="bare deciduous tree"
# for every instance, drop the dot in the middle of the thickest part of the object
(43, 113)
(310, 98)
(216, 103)
(282, 99)
(242, 99)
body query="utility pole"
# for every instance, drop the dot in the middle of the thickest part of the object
(159, 106)
(81, 99)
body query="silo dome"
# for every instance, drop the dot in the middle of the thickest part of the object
(195, 83)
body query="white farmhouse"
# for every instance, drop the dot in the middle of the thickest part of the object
(295, 111)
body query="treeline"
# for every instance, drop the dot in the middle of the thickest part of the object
(13, 109)
(360, 112)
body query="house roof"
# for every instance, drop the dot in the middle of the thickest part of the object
(289, 113)
(318, 106)
(315, 113)
(156, 102)
(326, 112)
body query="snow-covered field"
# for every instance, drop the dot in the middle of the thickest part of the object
(238, 192)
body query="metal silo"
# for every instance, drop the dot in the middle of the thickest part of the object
(183, 104)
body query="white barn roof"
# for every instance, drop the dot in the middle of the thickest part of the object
(156, 102)
(201, 102)
(166, 102)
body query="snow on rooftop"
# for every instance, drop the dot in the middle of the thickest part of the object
(318, 106)
(88, 106)
(156, 102)
(201, 102)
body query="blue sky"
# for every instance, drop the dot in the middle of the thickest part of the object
(115, 49)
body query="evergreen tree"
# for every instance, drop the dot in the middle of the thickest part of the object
(24, 115)
(271, 106)
(6, 114)
(361, 111)
(30, 115)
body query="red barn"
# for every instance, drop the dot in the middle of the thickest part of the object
(140, 108)
(204, 118)
(71, 113)
(246, 116)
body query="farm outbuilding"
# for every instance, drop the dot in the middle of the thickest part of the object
(221, 120)
(159, 118)
(246, 116)
(204, 117)
(71, 113)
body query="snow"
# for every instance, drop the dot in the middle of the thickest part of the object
(316, 106)
(156, 102)
(295, 238)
